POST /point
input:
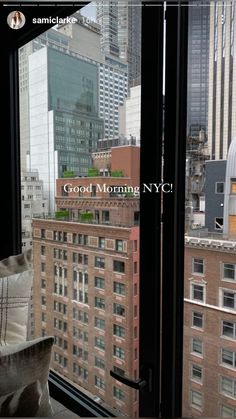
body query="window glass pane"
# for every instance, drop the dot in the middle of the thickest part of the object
(198, 292)
(228, 299)
(210, 212)
(227, 386)
(229, 271)
(228, 357)
(197, 373)
(198, 265)
(228, 329)
(197, 346)
(80, 106)
(197, 319)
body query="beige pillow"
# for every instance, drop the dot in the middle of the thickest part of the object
(16, 279)
(24, 372)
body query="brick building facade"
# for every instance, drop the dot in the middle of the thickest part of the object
(86, 287)
(209, 375)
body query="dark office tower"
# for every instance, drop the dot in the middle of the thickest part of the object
(222, 98)
(198, 58)
(121, 33)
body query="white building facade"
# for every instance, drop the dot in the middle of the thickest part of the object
(32, 202)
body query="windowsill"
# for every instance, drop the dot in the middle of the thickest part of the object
(196, 354)
(231, 281)
(199, 329)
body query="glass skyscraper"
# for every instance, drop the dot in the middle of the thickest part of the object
(63, 116)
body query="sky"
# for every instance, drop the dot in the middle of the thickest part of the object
(89, 10)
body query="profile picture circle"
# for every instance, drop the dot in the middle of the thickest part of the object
(16, 19)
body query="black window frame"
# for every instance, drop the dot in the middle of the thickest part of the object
(163, 395)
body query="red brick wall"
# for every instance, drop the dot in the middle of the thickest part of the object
(211, 333)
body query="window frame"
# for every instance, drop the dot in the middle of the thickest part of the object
(222, 291)
(203, 266)
(192, 320)
(216, 184)
(223, 278)
(199, 381)
(192, 285)
(195, 353)
(233, 329)
(173, 233)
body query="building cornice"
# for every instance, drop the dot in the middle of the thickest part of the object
(218, 244)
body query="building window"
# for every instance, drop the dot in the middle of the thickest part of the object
(60, 325)
(233, 186)
(61, 360)
(43, 267)
(99, 282)
(197, 319)
(136, 218)
(228, 300)
(228, 329)
(99, 382)
(43, 250)
(198, 266)
(135, 267)
(119, 288)
(197, 346)
(101, 242)
(118, 352)
(80, 315)
(219, 187)
(118, 393)
(228, 358)
(118, 309)
(196, 373)
(228, 386)
(80, 371)
(99, 362)
(80, 283)
(43, 300)
(197, 292)
(99, 262)
(119, 245)
(99, 343)
(94, 190)
(43, 283)
(99, 323)
(80, 353)
(43, 233)
(105, 216)
(118, 330)
(229, 272)
(196, 399)
(135, 245)
(60, 307)
(80, 239)
(218, 223)
(118, 370)
(118, 266)
(227, 411)
(62, 343)
(44, 317)
(99, 303)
